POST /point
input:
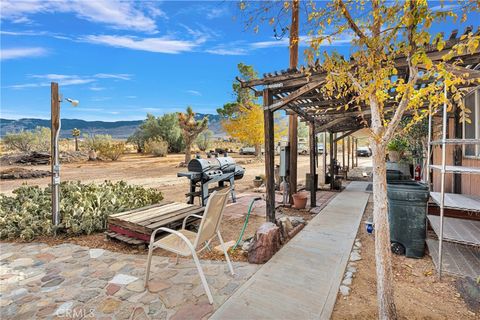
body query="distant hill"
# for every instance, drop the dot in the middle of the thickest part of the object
(117, 129)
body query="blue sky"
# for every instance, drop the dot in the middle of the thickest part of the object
(124, 59)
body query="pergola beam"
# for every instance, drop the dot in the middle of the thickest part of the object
(294, 95)
(346, 134)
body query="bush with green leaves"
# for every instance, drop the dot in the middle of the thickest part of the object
(111, 150)
(27, 141)
(156, 146)
(84, 208)
(204, 140)
(397, 144)
(95, 141)
(165, 127)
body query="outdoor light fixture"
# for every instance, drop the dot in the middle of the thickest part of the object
(55, 128)
(72, 101)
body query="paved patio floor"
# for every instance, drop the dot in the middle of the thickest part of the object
(67, 281)
(302, 280)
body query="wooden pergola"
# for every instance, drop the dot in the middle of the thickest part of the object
(298, 91)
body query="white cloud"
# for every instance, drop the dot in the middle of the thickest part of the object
(69, 80)
(194, 92)
(223, 51)
(99, 99)
(446, 7)
(96, 88)
(117, 14)
(238, 48)
(217, 12)
(120, 76)
(158, 45)
(16, 53)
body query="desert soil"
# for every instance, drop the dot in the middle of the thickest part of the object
(155, 172)
(418, 292)
(145, 170)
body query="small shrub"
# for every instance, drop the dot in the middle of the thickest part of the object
(397, 144)
(95, 141)
(84, 208)
(158, 147)
(27, 141)
(111, 150)
(204, 140)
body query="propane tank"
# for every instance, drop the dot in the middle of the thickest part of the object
(418, 172)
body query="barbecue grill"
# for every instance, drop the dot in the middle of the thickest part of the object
(202, 172)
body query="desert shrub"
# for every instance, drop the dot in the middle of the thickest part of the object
(95, 141)
(84, 208)
(204, 140)
(111, 150)
(156, 146)
(27, 141)
(165, 127)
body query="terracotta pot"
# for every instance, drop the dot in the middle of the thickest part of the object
(300, 200)
(394, 156)
(257, 183)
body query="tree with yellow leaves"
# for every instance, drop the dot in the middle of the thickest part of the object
(389, 73)
(247, 126)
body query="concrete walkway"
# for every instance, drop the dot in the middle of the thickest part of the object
(302, 280)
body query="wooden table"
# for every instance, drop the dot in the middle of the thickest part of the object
(137, 225)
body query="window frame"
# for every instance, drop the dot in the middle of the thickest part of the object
(476, 123)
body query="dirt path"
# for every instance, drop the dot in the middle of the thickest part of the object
(418, 293)
(148, 171)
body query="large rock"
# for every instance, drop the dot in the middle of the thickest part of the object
(265, 243)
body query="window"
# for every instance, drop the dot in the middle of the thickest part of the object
(472, 130)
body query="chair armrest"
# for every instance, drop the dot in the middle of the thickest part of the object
(178, 234)
(190, 215)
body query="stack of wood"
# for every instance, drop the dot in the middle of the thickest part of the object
(35, 158)
(21, 173)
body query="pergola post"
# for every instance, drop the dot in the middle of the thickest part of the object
(356, 155)
(331, 161)
(313, 171)
(353, 153)
(269, 156)
(324, 156)
(343, 152)
(348, 153)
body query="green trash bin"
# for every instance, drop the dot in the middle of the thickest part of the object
(396, 175)
(407, 213)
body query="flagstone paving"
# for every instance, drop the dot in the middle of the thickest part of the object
(38, 281)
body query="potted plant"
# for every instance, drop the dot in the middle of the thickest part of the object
(396, 147)
(300, 199)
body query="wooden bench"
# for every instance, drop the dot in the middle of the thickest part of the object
(140, 223)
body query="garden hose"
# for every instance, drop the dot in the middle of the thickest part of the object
(246, 222)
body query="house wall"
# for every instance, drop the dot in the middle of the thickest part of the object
(470, 183)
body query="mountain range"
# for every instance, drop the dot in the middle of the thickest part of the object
(117, 129)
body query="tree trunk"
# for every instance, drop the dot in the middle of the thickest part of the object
(76, 144)
(188, 151)
(383, 256)
(258, 151)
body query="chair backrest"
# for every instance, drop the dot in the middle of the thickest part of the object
(212, 216)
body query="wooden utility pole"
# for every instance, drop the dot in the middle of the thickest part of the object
(55, 114)
(269, 157)
(293, 119)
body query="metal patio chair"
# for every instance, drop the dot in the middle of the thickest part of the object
(188, 243)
